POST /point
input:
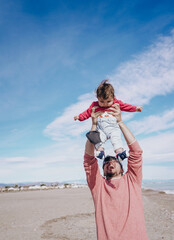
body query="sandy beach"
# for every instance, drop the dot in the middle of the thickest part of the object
(68, 214)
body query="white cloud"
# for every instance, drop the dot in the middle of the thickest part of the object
(16, 159)
(158, 172)
(159, 148)
(65, 126)
(149, 74)
(153, 123)
(59, 162)
(66, 152)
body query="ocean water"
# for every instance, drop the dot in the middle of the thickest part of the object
(166, 186)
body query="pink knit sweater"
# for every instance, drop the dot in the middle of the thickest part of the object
(118, 203)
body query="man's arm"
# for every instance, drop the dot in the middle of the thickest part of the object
(90, 162)
(135, 152)
(89, 147)
(116, 112)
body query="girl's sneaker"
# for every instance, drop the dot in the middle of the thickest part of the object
(100, 154)
(121, 156)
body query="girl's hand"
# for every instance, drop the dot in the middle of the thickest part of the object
(139, 109)
(76, 118)
(95, 115)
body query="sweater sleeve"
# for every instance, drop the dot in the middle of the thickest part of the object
(87, 113)
(92, 171)
(125, 106)
(135, 163)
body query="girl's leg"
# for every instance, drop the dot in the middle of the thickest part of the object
(100, 153)
(103, 138)
(117, 143)
(115, 137)
(100, 149)
(118, 150)
(121, 155)
(100, 146)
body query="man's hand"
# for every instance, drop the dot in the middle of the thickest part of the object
(94, 116)
(116, 112)
(89, 148)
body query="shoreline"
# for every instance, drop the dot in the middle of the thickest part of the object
(144, 189)
(168, 192)
(60, 213)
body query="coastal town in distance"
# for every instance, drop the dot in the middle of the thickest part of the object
(41, 186)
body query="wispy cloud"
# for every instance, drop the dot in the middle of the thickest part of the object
(65, 126)
(153, 123)
(149, 74)
(67, 151)
(158, 148)
(59, 162)
(158, 172)
(16, 160)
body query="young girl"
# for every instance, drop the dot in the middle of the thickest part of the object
(107, 125)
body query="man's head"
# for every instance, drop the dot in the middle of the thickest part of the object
(112, 167)
(105, 94)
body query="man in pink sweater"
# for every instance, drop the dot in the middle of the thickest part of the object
(117, 198)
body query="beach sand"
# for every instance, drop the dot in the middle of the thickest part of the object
(68, 214)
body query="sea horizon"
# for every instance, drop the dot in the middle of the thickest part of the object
(165, 185)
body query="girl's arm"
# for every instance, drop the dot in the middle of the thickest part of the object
(135, 152)
(86, 114)
(126, 107)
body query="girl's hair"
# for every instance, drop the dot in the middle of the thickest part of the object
(105, 90)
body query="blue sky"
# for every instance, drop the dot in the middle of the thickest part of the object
(53, 56)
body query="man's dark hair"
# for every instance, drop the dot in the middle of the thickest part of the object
(108, 158)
